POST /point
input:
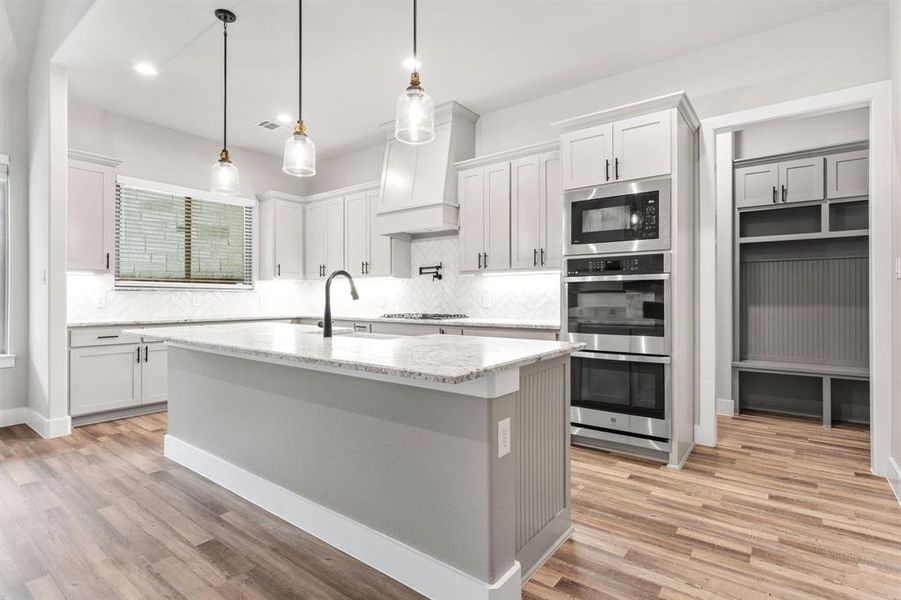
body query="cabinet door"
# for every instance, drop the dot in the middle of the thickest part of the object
(314, 239)
(847, 174)
(92, 199)
(587, 156)
(471, 197)
(642, 146)
(497, 218)
(757, 185)
(356, 232)
(334, 235)
(154, 374)
(551, 209)
(104, 378)
(380, 255)
(802, 180)
(525, 213)
(289, 244)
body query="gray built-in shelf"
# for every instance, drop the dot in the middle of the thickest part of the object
(801, 290)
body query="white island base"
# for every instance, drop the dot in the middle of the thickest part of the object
(401, 473)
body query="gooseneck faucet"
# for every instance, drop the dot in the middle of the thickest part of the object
(327, 320)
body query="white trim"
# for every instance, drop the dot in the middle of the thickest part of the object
(46, 428)
(97, 159)
(351, 189)
(492, 385)
(672, 100)
(725, 407)
(507, 155)
(7, 361)
(411, 567)
(894, 477)
(276, 195)
(178, 190)
(14, 416)
(877, 97)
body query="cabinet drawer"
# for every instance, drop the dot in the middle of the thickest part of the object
(527, 334)
(100, 336)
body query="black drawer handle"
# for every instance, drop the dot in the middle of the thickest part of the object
(139, 353)
(616, 167)
(542, 257)
(107, 337)
(774, 194)
(784, 190)
(606, 169)
(146, 353)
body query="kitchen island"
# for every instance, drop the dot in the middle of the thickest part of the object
(442, 461)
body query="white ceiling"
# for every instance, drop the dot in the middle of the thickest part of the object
(485, 54)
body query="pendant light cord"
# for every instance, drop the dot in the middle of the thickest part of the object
(225, 86)
(415, 57)
(299, 60)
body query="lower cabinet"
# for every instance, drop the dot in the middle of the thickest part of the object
(116, 376)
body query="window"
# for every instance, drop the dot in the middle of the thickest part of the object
(167, 237)
(4, 245)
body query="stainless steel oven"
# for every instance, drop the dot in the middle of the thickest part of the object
(621, 397)
(618, 217)
(618, 303)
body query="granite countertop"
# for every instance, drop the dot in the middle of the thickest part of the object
(437, 358)
(471, 322)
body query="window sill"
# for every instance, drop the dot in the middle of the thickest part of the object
(7, 361)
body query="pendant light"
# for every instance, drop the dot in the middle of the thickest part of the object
(224, 174)
(415, 120)
(300, 151)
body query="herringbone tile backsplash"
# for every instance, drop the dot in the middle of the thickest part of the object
(508, 295)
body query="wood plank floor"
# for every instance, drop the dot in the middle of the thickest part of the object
(781, 509)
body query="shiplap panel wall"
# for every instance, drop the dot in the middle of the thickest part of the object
(540, 418)
(806, 310)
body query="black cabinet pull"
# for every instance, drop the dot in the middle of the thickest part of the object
(542, 257)
(441, 330)
(534, 257)
(784, 190)
(278, 270)
(485, 260)
(146, 353)
(362, 267)
(107, 337)
(367, 267)
(616, 168)
(139, 353)
(606, 169)
(774, 194)
(107, 261)
(480, 260)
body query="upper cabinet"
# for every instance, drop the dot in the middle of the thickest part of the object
(801, 180)
(632, 148)
(536, 211)
(756, 185)
(324, 237)
(484, 196)
(368, 253)
(91, 212)
(281, 245)
(847, 174)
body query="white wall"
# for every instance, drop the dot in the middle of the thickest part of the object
(793, 135)
(361, 166)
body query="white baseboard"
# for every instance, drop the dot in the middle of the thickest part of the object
(725, 407)
(894, 477)
(417, 570)
(46, 428)
(14, 416)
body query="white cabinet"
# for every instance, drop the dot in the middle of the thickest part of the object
(632, 148)
(104, 378)
(847, 174)
(524, 333)
(112, 375)
(356, 238)
(281, 237)
(536, 210)
(91, 214)
(414, 329)
(801, 180)
(324, 237)
(368, 253)
(484, 195)
(756, 185)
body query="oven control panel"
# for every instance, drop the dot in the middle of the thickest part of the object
(629, 264)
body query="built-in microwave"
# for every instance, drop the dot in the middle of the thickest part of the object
(618, 217)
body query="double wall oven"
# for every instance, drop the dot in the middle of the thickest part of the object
(617, 300)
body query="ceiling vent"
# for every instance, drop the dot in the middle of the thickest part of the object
(265, 124)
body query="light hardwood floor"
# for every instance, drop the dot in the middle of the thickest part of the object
(782, 508)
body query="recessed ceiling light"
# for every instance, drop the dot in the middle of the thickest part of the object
(284, 118)
(145, 68)
(411, 64)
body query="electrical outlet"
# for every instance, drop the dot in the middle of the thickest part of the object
(503, 437)
(100, 302)
(486, 300)
(195, 300)
(898, 267)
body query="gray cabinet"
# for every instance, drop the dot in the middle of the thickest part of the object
(847, 174)
(756, 185)
(413, 329)
(799, 180)
(91, 214)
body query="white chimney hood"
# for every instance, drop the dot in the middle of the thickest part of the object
(418, 193)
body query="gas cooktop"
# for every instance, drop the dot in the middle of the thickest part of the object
(423, 316)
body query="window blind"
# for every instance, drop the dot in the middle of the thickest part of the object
(168, 239)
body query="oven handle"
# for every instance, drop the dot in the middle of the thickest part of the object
(643, 358)
(592, 278)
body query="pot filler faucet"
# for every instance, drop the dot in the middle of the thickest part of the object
(327, 320)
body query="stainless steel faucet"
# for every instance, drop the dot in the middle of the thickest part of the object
(327, 320)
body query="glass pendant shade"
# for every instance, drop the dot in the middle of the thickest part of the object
(300, 154)
(224, 177)
(415, 120)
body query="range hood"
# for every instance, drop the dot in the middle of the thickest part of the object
(418, 192)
